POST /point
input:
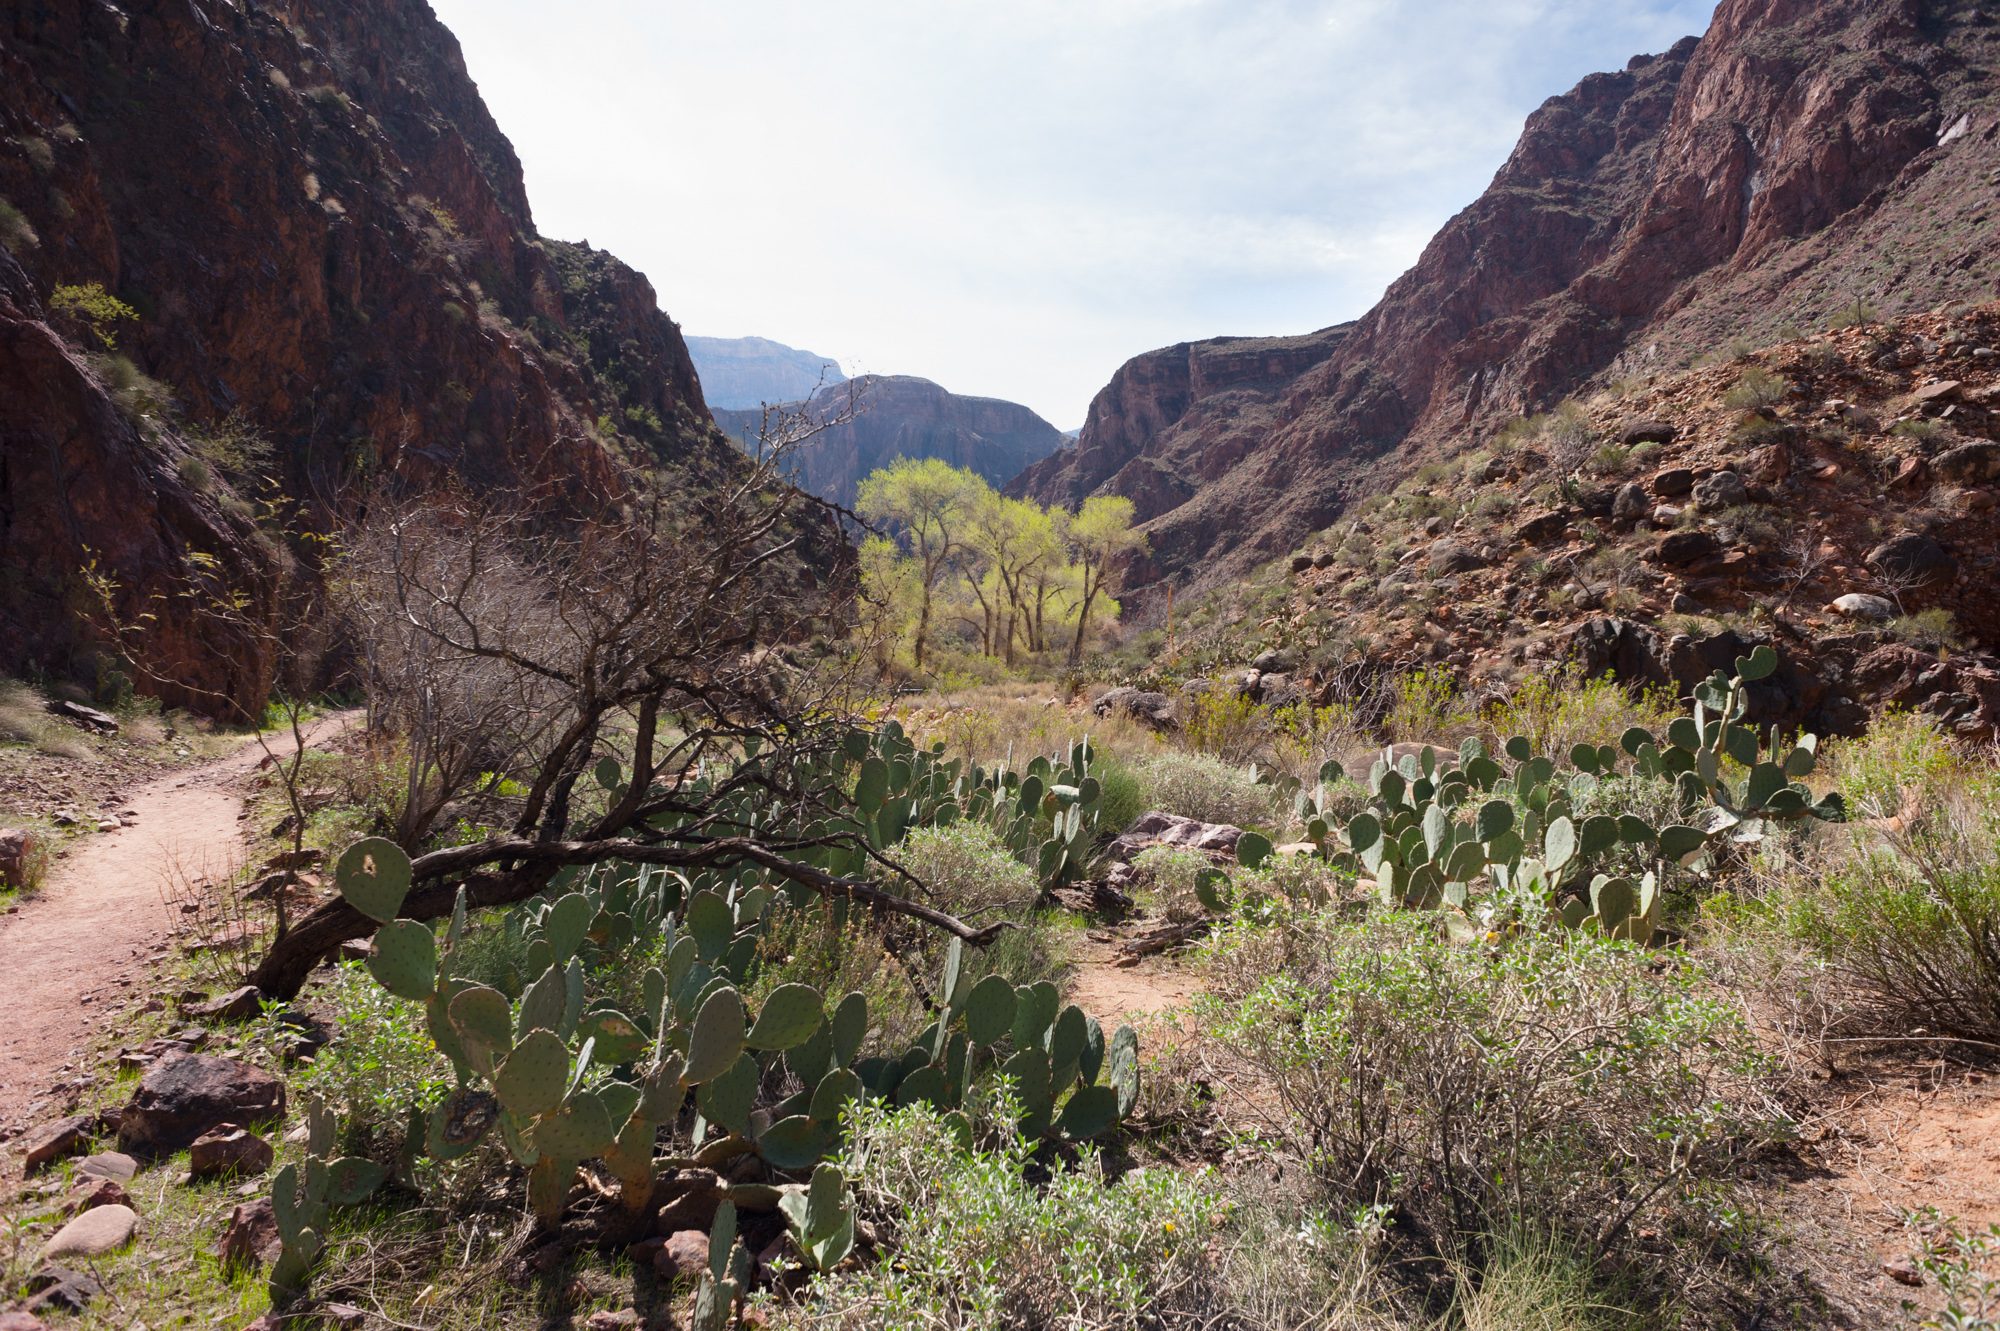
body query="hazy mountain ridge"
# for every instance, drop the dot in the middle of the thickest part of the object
(901, 416)
(738, 373)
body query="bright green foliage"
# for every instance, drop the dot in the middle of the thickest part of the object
(1490, 842)
(95, 308)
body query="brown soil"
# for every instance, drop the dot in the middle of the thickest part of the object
(83, 941)
(1117, 994)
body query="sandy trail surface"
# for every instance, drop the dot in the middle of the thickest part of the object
(84, 940)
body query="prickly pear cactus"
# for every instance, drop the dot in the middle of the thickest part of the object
(303, 1195)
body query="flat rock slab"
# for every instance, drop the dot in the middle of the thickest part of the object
(114, 1165)
(186, 1095)
(97, 1231)
(59, 1140)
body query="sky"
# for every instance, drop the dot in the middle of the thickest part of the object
(1015, 198)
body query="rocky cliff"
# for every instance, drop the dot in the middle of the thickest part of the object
(1801, 157)
(743, 373)
(885, 417)
(314, 238)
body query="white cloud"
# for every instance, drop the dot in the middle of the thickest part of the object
(1013, 199)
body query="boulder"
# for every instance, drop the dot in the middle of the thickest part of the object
(1725, 489)
(88, 717)
(1277, 689)
(96, 1232)
(1301, 564)
(1150, 709)
(228, 1150)
(1679, 548)
(1673, 483)
(1646, 432)
(1275, 660)
(1860, 605)
(186, 1095)
(1970, 464)
(684, 1256)
(93, 1193)
(1629, 505)
(60, 1288)
(1914, 556)
(17, 856)
(250, 1240)
(1170, 829)
(1449, 557)
(1540, 527)
(114, 1165)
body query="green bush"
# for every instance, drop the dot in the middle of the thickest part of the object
(96, 309)
(15, 231)
(1206, 789)
(378, 1063)
(977, 1245)
(1174, 875)
(1934, 630)
(969, 870)
(1754, 389)
(1578, 1088)
(1122, 796)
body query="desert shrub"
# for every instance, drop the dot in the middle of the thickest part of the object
(969, 870)
(1493, 504)
(1301, 882)
(136, 393)
(1755, 389)
(1918, 428)
(1610, 460)
(812, 945)
(1121, 797)
(1965, 1265)
(1175, 874)
(1304, 737)
(1427, 707)
(1752, 526)
(22, 716)
(976, 1244)
(378, 1063)
(59, 741)
(1194, 785)
(1902, 764)
(195, 474)
(233, 445)
(94, 308)
(1224, 723)
(1933, 629)
(15, 231)
(1857, 314)
(1468, 1090)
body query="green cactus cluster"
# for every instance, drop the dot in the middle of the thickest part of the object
(303, 1196)
(1457, 833)
(1048, 812)
(562, 1078)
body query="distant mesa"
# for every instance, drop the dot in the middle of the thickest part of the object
(739, 373)
(899, 416)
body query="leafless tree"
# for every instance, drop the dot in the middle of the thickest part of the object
(513, 636)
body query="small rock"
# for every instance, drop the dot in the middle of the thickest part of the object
(19, 1321)
(1276, 659)
(251, 1238)
(184, 1096)
(1301, 564)
(1449, 557)
(1152, 709)
(1629, 504)
(344, 1315)
(94, 1233)
(1859, 605)
(683, 1256)
(102, 1192)
(228, 1150)
(623, 1320)
(59, 1141)
(1542, 527)
(61, 1288)
(1903, 1273)
(237, 1005)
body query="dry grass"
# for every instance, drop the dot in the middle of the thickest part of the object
(996, 722)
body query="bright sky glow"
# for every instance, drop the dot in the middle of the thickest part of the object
(1013, 199)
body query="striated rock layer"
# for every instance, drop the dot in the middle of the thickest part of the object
(1801, 156)
(886, 417)
(325, 238)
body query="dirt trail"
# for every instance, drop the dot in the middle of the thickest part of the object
(84, 939)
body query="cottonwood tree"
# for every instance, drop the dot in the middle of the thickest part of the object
(1101, 539)
(932, 503)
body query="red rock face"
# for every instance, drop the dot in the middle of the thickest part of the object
(322, 231)
(1802, 155)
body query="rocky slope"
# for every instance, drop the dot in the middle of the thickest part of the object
(1837, 496)
(885, 417)
(743, 373)
(325, 243)
(1801, 156)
